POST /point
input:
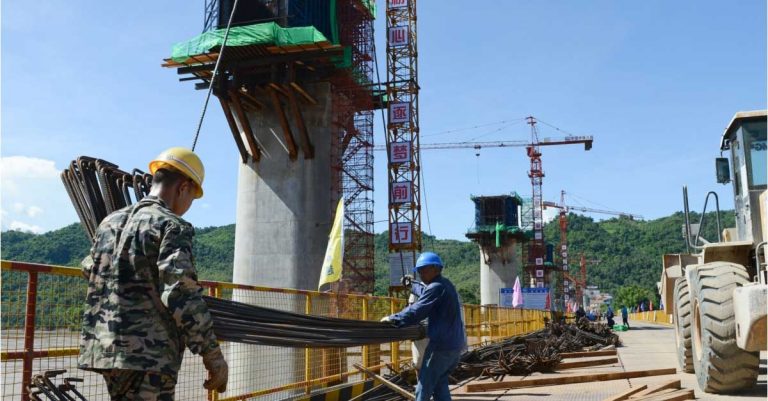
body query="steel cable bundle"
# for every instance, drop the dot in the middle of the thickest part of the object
(249, 324)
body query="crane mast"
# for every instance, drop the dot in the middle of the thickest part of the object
(399, 143)
(402, 140)
(579, 282)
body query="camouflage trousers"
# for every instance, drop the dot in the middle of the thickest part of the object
(136, 385)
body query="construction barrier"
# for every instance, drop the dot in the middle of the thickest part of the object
(655, 316)
(41, 318)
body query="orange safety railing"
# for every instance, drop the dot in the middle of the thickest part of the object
(41, 319)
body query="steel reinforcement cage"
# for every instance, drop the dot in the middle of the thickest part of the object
(42, 312)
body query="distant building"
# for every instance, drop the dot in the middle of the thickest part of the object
(595, 298)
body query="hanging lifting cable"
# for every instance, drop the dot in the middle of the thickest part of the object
(214, 75)
(426, 206)
(556, 128)
(572, 195)
(502, 128)
(454, 130)
(249, 324)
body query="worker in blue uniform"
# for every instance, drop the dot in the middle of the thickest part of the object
(439, 303)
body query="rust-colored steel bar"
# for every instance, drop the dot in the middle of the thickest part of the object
(29, 335)
(290, 143)
(303, 93)
(235, 130)
(306, 144)
(256, 102)
(245, 125)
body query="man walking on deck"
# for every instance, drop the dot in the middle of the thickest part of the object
(625, 315)
(440, 304)
(144, 304)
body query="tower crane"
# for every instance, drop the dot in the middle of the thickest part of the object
(586, 140)
(580, 282)
(535, 267)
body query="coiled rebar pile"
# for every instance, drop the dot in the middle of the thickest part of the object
(535, 352)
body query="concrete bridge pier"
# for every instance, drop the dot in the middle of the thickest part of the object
(282, 223)
(498, 269)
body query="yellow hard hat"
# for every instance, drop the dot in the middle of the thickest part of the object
(184, 161)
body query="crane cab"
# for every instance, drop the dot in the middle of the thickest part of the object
(744, 141)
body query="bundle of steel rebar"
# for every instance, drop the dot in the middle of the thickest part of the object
(250, 324)
(534, 352)
(42, 388)
(97, 188)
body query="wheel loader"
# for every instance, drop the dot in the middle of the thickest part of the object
(716, 291)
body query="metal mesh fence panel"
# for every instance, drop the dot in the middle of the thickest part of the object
(41, 318)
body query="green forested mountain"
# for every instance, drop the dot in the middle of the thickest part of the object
(214, 248)
(629, 252)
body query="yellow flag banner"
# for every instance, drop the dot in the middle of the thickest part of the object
(334, 254)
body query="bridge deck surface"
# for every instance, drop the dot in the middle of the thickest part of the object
(646, 346)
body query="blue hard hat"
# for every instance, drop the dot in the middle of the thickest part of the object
(427, 259)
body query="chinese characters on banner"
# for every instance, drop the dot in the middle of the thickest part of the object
(400, 152)
(566, 283)
(399, 112)
(398, 3)
(539, 261)
(539, 273)
(398, 36)
(400, 233)
(401, 192)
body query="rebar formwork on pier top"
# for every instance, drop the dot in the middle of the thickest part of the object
(497, 218)
(274, 51)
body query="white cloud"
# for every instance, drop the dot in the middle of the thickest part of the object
(15, 167)
(21, 226)
(32, 189)
(34, 211)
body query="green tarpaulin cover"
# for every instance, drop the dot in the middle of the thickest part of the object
(371, 6)
(269, 33)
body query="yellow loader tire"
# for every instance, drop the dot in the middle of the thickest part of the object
(683, 325)
(721, 366)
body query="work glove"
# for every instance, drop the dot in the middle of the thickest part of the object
(217, 370)
(386, 319)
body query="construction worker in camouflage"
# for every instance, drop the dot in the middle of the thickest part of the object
(144, 304)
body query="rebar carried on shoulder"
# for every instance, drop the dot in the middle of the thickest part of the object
(243, 323)
(97, 188)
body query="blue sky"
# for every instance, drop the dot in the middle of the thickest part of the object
(655, 83)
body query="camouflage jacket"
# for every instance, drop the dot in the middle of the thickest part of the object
(144, 303)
